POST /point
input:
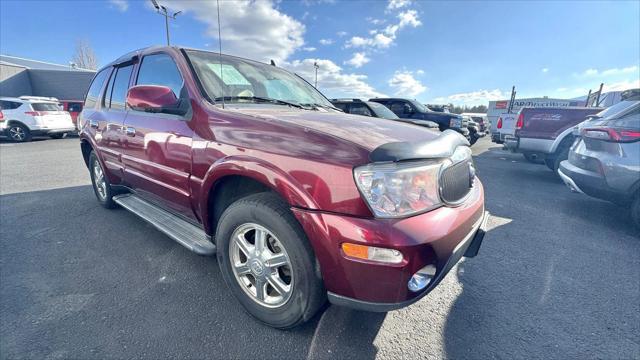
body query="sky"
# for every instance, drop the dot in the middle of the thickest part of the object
(460, 52)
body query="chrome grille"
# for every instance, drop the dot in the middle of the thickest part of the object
(456, 181)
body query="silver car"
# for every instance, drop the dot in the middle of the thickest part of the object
(604, 161)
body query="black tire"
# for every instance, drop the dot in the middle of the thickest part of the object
(562, 154)
(531, 157)
(473, 138)
(107, 199)
(18, 132)
(307, 292)
(635, 211)
(58, 135)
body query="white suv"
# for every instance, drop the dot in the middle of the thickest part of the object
(27, 116)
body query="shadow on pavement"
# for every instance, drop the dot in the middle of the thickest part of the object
(555, 277)
(80, 281)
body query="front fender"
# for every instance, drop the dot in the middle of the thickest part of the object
(259, 170)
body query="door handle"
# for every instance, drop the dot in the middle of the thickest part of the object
(130, 131)
(93, 124)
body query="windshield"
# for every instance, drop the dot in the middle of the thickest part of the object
(240, 80)
(420, 107)
(382, 111)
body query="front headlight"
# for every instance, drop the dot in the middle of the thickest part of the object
(399, 189)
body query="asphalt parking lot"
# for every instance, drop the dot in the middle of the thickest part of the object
(558, 276)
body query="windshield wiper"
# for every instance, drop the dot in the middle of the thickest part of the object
(317, 105)
(261, 99)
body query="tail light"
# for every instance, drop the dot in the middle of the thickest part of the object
(499, 123)
(611, 134)
(1, 116)
(520, 121)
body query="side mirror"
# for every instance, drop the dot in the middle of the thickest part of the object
(152, 98)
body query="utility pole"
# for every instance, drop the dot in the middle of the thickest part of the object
(315, 65)
(162, 10)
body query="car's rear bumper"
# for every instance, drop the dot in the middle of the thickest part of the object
(439, 238)
(589, 183)
(511, 143)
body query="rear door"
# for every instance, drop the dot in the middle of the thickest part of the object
(157, 147)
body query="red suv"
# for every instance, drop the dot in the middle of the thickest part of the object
(300, 202)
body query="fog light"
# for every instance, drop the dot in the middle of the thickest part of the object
(422, 278)
(373, 253)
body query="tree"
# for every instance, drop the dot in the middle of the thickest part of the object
(84, 56)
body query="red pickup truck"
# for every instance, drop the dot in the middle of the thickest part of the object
(546, 133)
(299, 201)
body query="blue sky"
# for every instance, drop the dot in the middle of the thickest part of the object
(459, 51)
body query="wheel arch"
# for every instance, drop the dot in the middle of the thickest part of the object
(564, 137)
(230, 179)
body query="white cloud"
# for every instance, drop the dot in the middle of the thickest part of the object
(382, 39)
(477, 97)
(622, 85)
(410, 18)
(562, 89)
(545, 70)
(397, 4)
(326, 41)
(376, 21)
(309, 48)
(342, 33)
(420, 72)
(358, 60)
(405, 84)
(609, 72)
(332, 81)
(253, 29)
(121, 5)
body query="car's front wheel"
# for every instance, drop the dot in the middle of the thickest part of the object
(267, 261)
(101, 186)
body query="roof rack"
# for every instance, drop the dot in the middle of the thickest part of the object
(38, 98)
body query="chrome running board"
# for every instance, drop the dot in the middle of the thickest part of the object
(182, 231)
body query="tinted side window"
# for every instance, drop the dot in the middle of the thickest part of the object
(74, 107)
(94, 89)
(120, 87)
(9, 105)
(341, 106)
(397, 107)
(360, 109)
(160, 69)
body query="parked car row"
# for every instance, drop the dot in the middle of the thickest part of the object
(411, 111)
(24, 117)
(595, 151)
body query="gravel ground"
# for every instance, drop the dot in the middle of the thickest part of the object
(558, 276)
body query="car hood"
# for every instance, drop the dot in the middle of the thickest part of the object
(365, 132)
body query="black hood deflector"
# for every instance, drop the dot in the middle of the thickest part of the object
(441, 147)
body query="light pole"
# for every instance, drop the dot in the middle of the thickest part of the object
(315, 65)
(162, 10)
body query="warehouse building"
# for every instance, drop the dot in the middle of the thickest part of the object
(20, 77)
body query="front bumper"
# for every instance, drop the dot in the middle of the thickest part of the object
(439, 238)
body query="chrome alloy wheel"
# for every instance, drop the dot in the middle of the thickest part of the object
(99, 180)
(261, 265)
(17, 133)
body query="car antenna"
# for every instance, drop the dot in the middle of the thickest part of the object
(220, 50)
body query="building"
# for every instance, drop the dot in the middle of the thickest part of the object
(19, 77)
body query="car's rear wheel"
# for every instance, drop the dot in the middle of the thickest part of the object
(267, 261)
(101, 186)
(18, 133)
(58, 135)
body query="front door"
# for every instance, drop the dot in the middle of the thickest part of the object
(157, 147)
